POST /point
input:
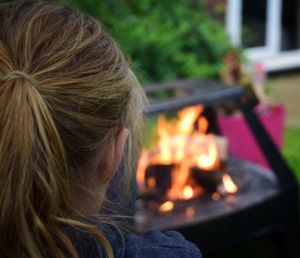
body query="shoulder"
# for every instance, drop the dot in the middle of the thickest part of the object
(160, 245)
(87, 246)
(148, 245)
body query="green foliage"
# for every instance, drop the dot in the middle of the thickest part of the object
(165, 39)
(291, 149)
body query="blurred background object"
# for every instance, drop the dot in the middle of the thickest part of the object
(166, 40)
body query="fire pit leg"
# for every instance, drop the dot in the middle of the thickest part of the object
(270, 151)
(285, 176)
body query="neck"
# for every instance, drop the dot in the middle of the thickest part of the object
(88, 200)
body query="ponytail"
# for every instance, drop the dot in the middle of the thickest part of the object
(31, 159)
(33, 175)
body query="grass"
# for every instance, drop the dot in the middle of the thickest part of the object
(291, 150)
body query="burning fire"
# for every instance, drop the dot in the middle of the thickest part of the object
(188, 192)
(209, 160)
(229, 186)
(182, 142)
(166, 206)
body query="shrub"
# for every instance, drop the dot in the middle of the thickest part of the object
(165, 39)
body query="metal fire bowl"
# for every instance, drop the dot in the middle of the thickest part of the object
(256, 185)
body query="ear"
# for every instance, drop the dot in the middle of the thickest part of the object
(113, 156)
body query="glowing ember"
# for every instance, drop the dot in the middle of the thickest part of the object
(166, 206)
(229, 186)
(188, 192)
(151, 182)
(216, 196)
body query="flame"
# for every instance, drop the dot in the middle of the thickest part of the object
(208, 160)
(202, 125)
(173, 135)
(166, 206)
(229, 186)
(180, 175)
(188, 192)
(182, 142)
(164, 150)
(187, 117)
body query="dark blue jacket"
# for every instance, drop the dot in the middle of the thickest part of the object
(152, 244)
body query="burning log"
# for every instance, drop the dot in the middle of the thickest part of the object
(159, 177)
(209, 180)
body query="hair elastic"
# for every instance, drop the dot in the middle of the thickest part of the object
(21, 75)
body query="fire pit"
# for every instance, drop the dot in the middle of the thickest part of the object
(187, 181)
(211, 206)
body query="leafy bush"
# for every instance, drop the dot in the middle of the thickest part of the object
(165, 39)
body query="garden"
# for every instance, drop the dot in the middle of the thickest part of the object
(171, 40)
(167, 40)
(185, 42)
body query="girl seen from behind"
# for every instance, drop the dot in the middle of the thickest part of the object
(70, 111)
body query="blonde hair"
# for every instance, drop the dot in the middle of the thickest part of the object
(66, 89)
